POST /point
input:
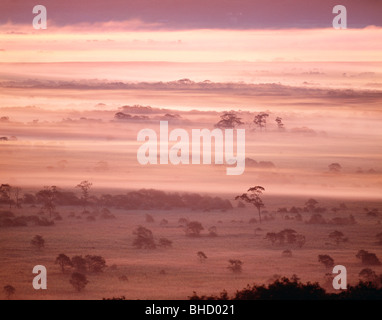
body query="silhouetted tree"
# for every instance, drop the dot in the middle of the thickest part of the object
(144, 238)
(229, 120)
(9, 291)
(38, 242)
(253, 196)
(63, 260)
(78, 281)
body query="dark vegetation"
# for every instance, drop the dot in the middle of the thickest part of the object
(293, 289)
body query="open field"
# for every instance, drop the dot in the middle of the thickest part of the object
(183, 272)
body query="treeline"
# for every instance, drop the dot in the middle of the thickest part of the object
(51, 197)
(294, 289)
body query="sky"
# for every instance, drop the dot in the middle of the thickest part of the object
(199, 14)
(61, 87)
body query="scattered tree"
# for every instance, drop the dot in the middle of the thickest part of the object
(202, 256)
(78, 281)
(85, 188)
(79, 264)
(9, 291)
(38, 242)
(368, 258)
(326, 260)
(335, 167)
(165, 243)
(48, 197)
(144, 238)
(193, 229)
(379, 237)
(149, 218)
(63, 260)
(229, 120)
(235, 265)
(311, 204)
(368, 275)
(253, 196)
(287, 253)
(338, 237)
(5, 194)
(212, 231)
(280, 124)
(261, 120)
(95, 263)
(17, 197)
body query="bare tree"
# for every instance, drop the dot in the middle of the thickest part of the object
(253, 196)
